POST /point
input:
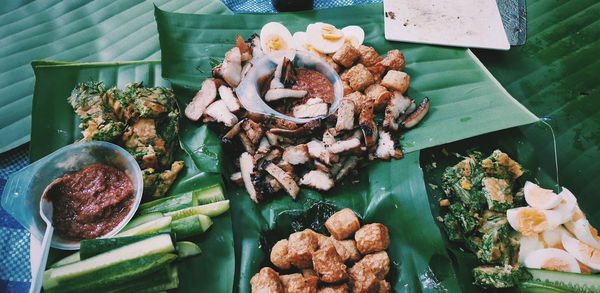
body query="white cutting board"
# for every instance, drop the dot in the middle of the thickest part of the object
(460, 23)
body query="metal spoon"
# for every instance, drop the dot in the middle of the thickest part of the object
(46, 211)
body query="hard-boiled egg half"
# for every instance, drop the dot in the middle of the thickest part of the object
(584, 232)
(548, 239)
(301, 41)
(324, 37)
(354, 35)
(530, 221)
(276, 40)
(540, 198)
(552, 259)
(586, 254)
(567, 206)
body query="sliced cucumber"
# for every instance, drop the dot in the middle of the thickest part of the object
(167, 204)
(212, 210)
(553, 281)
(164, 277)
(93, 247)
(113, 275)
(172, 284)
(67, 260)
(154, 226)
(142, 220)
(208, 195)
(191, 226)
(154, 245)
(187, 248)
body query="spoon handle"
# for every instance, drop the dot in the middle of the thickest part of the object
(36, 284)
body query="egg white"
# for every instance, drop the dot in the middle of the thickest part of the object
(354, 35)
(316, 39)
(276, 40)
(519, 219)
(586, 254)
(540, 198)
(582, 231)
(552, 259)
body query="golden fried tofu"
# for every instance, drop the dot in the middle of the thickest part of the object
(301, 245)
(343, 288)
(378, 263)
(296, 283)
(359, 77)
(346, 87)
(384, 286)
(346, 55)
(363, 280)
(332, 63)
(328, 265)
(396, 80)
(394, 60)
(368, 56)
(346, 249)
(342, 224)
(358, 98)
(309, 273)
(372, 238)
(380, 94)
(266, 281)
(279, 255)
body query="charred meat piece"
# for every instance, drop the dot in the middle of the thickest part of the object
(237, 178)
(317, 150)
(245, 69)
(358, 99)
(415, 117)
(246, 53)
(218, 110)
(253, 130)
(345, 115)
(247, 143)
(230, 69)
(247, 168)
(284, 179)
(317, 180)
(288, 73)
(254, 44)
(235, 130)
(275, 94)
(267, 280)
(296, 155)
(387, 147)
(276, 81)
(341, 146)
(305, 130)
(312, 108)
(380, 95)
(396, 80)
(204, 97)
(231, 101)
(367, 124)
(397, 106)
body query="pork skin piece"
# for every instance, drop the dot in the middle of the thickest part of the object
(284, 179)
(310, 110)
(253, 130)
(415, 117)
(344, 145)
(387, 147)
(397, 106)
(282, 93)
(317, 180)
(247, 168)
(231, 101)
(296, 155)
(230, 69)
(367, 124)
(204, 97)
(345, 115)
(218, 110)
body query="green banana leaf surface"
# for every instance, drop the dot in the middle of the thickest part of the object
(56, 125)
(83, 31)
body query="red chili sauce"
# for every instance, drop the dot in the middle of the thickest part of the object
(315, 83)
(91, 202)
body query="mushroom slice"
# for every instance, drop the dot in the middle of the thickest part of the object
(253, 130)
(349, 164)
(398, 105)
(231, 101)
(275, 94)
(206, 95)
(345, 145)
(237, 178)
(345, 115)
(247, 143)
(415, 117)
(218, 110)
(246, 169)
(232, 133)
(296, 155)
(366, 123)
(231, 68)
(317, 179)
(284, 179)
(387, 148)
(246, 53)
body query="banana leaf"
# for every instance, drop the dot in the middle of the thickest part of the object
(56, 125)
(84, 31)
(465, 99)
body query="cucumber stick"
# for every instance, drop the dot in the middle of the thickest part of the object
(154, 226)
(142, 220)
(183, 200)
(553, 281)
(67, 260)
(187, 249)
(164, 279)
(114, 275)
(191, 226)
(93, 247)
(171, 284)
(154, 245)
(208, 195)
(212, 210)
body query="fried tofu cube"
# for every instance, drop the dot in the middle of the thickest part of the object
(296, 283)
(267, 280)
(358, 98)
(363, 280)
(342, 224)
(368, 56)
(378, 263)
(380, 94)
(394, 60)
(377, 70)
(384, 286)
(347, 250)
(301, 245)
(346, 87)
(346, 55)
(328, 265)
(279, 255)
(372, 238)
(332, 63)
(309, 273)
(396, 80)
(343, 288)
(359, 77)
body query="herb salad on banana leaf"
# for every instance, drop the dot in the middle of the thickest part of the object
(142, 120)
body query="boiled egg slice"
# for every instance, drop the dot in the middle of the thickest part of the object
(584, 232)
(553, 238)
(540, 198)
(552, 259)
(567, 206)
(301, 42)
(530, 221)
(354, 35)
(586, 254)
(276, 40)
(324, 37)
(529, 244)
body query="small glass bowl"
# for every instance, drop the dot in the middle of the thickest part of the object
(23, 190)
(248, 89)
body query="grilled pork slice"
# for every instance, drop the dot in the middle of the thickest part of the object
(246, 53)
(345, 115)
(218, 110)
(204, 97)
(387, 148)
(296, 155)
(345, 145)
(275, 94)
(231, 68)
(284, 179)
(227, 95)
(397, 106)
(247, 168)
(247, 143)
(235, 130)
(305, 130)
(415, 117)
(317, 179)
(367, 124)
(253, 130)
(311, 109)
(317, 150)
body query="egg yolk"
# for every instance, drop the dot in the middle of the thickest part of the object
(590, 253)
(594, 233)
(556, 264)
(531, 221)
(329, 32)
(275, 43)
(351, 40)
